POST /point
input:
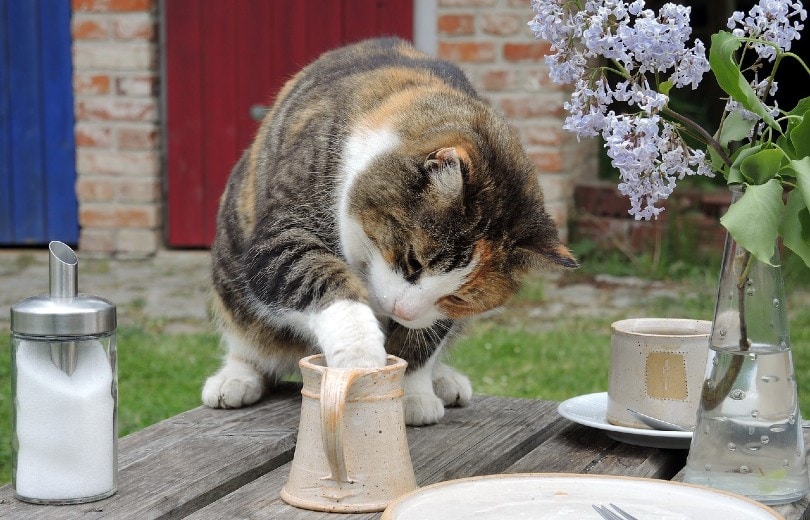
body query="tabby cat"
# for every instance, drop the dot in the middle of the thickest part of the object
(381, 204)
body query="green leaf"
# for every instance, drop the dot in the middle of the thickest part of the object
(717, 162)
(753, 221)
(665, 87)
(735, 128)
(795, 226)
(762, 166)
(735, 176)
(784, 143)
(801, 109)
(802, 169)
(731, 79)
(800, 137)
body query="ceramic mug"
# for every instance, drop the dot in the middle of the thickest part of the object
(352, 452)
(657, 368)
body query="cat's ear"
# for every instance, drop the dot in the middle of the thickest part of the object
(547, 255)
(561, 255)
(444, 166)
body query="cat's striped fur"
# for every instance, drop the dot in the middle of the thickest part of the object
(381, 204)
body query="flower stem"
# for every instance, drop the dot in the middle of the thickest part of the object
(704, 135)
(713, 396)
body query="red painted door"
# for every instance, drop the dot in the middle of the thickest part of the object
(224, 57)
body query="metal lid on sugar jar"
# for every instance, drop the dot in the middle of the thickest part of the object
(63, 312)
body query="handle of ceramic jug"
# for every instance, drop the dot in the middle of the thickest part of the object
(334, 389)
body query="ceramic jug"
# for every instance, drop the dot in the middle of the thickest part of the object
(352, 451)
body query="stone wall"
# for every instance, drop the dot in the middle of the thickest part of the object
(118, 111)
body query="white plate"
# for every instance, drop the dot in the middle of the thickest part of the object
(591, 410)
(558, 495)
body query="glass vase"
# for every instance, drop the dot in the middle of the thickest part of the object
(748, 435)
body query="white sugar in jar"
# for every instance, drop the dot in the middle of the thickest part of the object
(65, 391)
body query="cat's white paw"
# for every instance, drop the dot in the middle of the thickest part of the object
(451, 386)
(350, 336)
(422, 409)
(420, 404)
(236, 384)
(357, 358)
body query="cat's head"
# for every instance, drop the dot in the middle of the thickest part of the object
(448, 227)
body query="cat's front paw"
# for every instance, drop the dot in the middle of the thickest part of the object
(236, 384)
(422, 409)
(350, 336)
(451, 386)
(359, 357)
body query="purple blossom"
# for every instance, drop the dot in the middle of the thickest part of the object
(650, 156)
(772, 21)
(692, 67)
(638, 43)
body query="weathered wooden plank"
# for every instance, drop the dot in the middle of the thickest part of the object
(463, 444)
(212, 464)
(579, 449)
(180, 465)
(456, 447)
(261, 500)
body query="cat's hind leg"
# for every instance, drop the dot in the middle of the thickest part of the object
(245, 374)
(451, 386)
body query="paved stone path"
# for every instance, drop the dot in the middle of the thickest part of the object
(172, 287)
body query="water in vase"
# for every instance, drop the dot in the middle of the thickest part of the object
(750, 441)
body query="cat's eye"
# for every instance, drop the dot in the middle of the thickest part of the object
(413, 263)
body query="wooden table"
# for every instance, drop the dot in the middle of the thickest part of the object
(218, 464)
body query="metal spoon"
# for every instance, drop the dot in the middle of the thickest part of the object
(657, 424)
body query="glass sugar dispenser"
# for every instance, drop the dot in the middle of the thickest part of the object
(65, 391)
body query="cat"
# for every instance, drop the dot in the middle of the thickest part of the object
(381, 205)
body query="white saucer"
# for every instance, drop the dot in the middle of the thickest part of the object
(591, 409)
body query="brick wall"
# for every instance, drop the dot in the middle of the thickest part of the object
(118, 161)
(116, 80)
(491, 41)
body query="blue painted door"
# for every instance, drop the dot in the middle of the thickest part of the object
(37, 151)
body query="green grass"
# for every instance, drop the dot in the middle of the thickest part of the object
(161, 375)
(553, 364)
(541, 359)
(522, 357)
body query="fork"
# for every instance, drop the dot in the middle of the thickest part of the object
(607, 514)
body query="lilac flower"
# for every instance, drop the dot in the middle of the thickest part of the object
(647, 150)
(605, 24)
(692, 66)
(659, 42)
(650, 156)
(587, 108)
(770, 20)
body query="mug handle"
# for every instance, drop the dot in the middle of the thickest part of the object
(334, 389)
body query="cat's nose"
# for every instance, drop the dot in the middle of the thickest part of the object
(404, 312)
